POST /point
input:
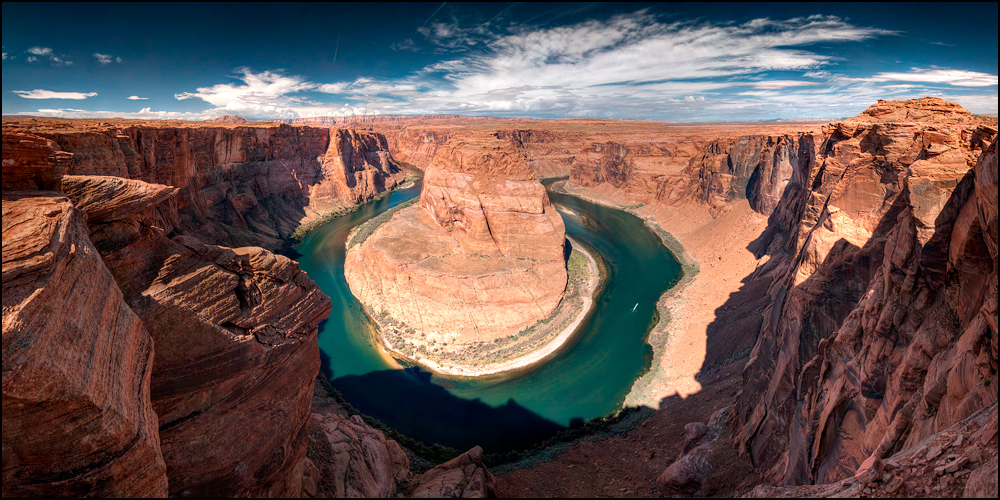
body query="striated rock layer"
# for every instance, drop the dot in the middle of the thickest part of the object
(238, 184)
(234, 331)
(77, 417)
(881, 329)
(481, 257)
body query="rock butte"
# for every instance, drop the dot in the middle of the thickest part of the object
(481, 256)
(839, 337)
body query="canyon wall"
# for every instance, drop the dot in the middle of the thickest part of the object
(77, 417)
(482, 255)
(881, 328)
(189, 367)
(238, 185)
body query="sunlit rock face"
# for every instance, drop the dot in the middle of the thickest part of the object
(186, 368)
(882, 324)
(480, 256)
(77, 416)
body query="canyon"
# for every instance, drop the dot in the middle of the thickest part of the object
(835, 331)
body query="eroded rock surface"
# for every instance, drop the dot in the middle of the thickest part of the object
(960, 461)
(481, 257)
(243, 184)
(464, 476)
(882, 324)
(355, 460)
(234, 329)
(77, 417)
(686, 474)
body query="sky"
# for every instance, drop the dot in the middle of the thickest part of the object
(659, 61)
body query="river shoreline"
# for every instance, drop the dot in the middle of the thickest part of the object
(523, 362)
(714, 260)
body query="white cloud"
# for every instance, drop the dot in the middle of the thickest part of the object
(817, 74)
(49, 94)
(631, 65)
(46, 52)
(105, 59)
(955, 77)
(407, 44)
(779, 84)
(148, 114)
(4, 56)
(143, 114)
(585, 65)
(266, 95)
(257, 88)
(136, 98)
(368, 87)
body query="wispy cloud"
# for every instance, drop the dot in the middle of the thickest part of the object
(368, 87)
(267, 95)
(105, 59)
(39, 53)
(779, 84)
(955, 77)
(136, 98)
(49, 94)
(407, 44)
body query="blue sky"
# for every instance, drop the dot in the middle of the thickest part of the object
(689, 62)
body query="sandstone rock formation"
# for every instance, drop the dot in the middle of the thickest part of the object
(874, 367)
(882, 324)
(77, 417)
(238, 185)
(234, 330)
(238, 120)
(686, 474)
(875, 269)
(253, 355)
(960, 461)
(346, 457)
(464, 476)
(480, 258)
(357, 461)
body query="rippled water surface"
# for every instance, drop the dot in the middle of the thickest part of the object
(589, 378)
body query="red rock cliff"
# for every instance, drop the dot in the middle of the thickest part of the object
(231, 379)
(77, 417)
(239, 185)
(882, 325)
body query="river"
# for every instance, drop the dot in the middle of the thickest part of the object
(589, 378)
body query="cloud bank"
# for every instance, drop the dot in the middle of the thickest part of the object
(49, 94)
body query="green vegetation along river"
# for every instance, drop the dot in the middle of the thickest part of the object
(589, 378)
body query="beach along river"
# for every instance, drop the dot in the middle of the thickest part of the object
(589, 377)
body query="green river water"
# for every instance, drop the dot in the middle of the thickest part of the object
(588, 378)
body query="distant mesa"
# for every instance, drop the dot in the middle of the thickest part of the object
(229, 119)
